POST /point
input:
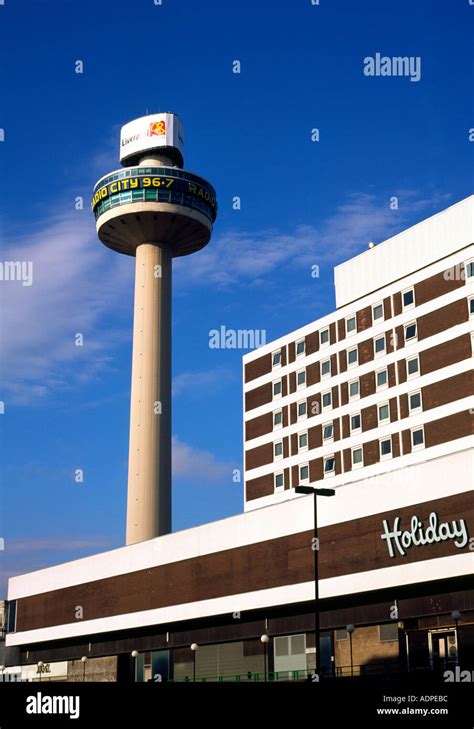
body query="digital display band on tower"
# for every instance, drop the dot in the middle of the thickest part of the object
(202, 192)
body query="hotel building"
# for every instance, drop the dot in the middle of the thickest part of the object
(374, 400)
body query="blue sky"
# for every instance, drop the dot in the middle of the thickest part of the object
(303, 203)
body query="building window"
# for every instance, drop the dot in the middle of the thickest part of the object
(302, 442)
(408, 298)
(279, 481)
(381, 379)
(471, 306)
(385, 448)
(11, 616)
(304, 473)
(329, 466)
(469, 266)
(277, 388)
(328, 431)
(351, 325)
(301, 379)
(388, 632)
(354, 389)
(324, 337)
(325, 368)
(410, 331)
(414, 402)
(302, 409)
(383, 413)
(355, 423)
(379, 345)
(352, 357)
(327, 400)
(301, 348)
(278, 450)
(377, 311)
(276, 358)
(357, 457)
(413, 367)
(417, 438)
(278, 419)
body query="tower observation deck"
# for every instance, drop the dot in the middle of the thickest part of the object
(154, 210)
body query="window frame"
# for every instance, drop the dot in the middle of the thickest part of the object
(305, 415)
(383, 351)
(277, 426)
(412, 375)
(326, 360)
(326, 407)
(329, 424)
(378, 318)
(321, 343)
(353, 397)
(409, 340)
(280, 394)
(302, 385)
(418, 446)
(382, 405)
(352, 430)
(406, 307)
(332, 472)
(385, 456)
(352, 331)
(385, 385)
(299, 355)
(275, 366)
(302, 449)
(351, 365)
(355, 466)
(302, 481)
(276, 488)
(275, 456)
(419, 409)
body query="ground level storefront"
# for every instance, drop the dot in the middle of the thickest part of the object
(407, 629)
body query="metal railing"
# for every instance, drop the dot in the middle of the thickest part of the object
(370, 669)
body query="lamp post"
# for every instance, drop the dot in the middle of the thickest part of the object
(40, 665)
(264, 638)
(84, 661)
(134, 655)
(350, 629)
(456, 616)
(317, 625)
(194, 648)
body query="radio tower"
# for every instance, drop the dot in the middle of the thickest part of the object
(153, 210)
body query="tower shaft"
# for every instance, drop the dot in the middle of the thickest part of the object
(149, 471)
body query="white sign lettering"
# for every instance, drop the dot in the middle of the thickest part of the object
(399, 541)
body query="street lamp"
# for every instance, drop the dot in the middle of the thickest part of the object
(264, 638)
(317, 625)
(350, 629)
(84, 661)
(456, 616)
(40, 665)
(194, 647)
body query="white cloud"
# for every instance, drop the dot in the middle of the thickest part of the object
(75, 282)
(240, 257)
(198, 464)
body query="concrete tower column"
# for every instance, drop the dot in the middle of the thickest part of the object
(149, 506)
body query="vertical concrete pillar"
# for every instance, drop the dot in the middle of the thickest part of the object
(149, 469)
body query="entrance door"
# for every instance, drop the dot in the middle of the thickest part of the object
(443, 649)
